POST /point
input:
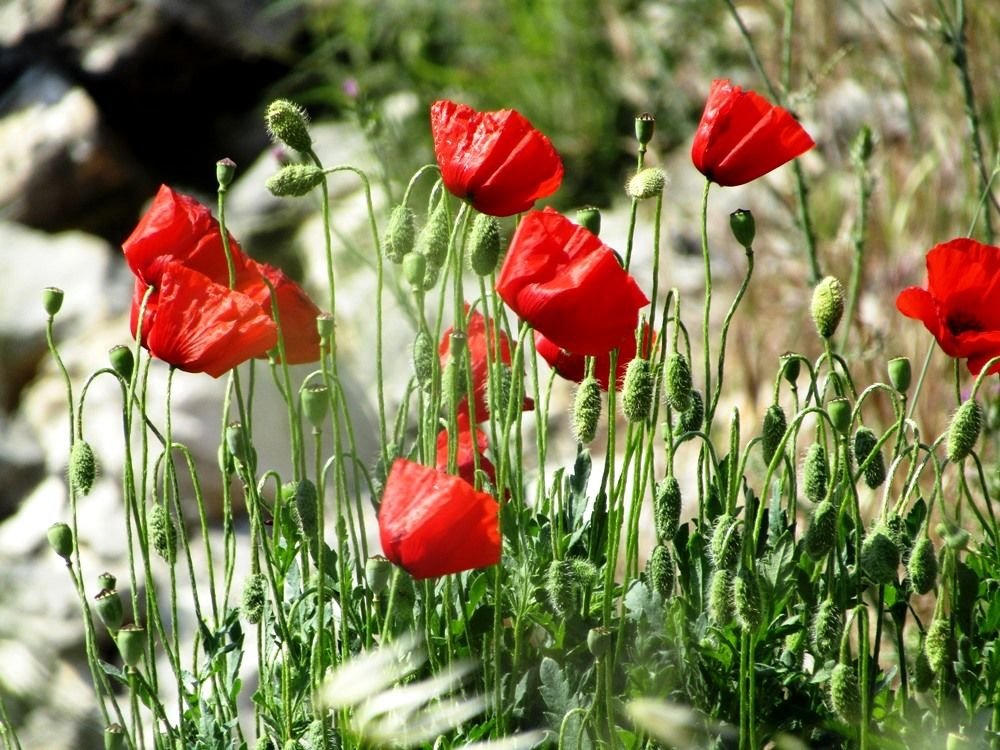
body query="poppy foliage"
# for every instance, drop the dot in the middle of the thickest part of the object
(573, 366)
(569, 286)
(742, 136)
(496, 161)
(959, 305)
(432, 524)
(193, 319)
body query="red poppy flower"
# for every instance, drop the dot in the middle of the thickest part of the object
(959, 306)
(481, 346)
(471, 441)
(573, 366)
(432, 524)
(193, 319)
(742, 136)
(495, 160)
(568, 285)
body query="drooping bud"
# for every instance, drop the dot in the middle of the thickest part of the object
(720, 600)
(288, 123)
(839, 410)
(815, 473)
(661, 570)
(315, 403)
(879, 557)
(845, 695)
(667, 509)
(645, 126)
(598, 640)
(82, 467)
(109, 608)
(900, 373)
(637, 390)
(963, 432)
(690, 420)
(791, 365)
(821, 535)
(744, 228)
(827, 627)
(484, 245)
(238, 443)
(772, 431)
(254, 598)
(305, 498)
(922, 566)
(864, 446)
(162, 534)
(52, 299)
(294, 180)
(746, 601)
(377, 572)
(587, 410)
(646, 184)
(589, 217)
(432, 241)
(400, 234)
(727, 541)
(827, 306)
(61, 540)
(131, 642)
(677, 382)
(560, 586)
(937, 644)
(923, 674)
(423, 358)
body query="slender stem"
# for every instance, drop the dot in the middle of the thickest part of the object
(706, 315)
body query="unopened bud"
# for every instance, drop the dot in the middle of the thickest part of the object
(560, 585)
(773, 431)
(963, 432)
(414, 271)
(815, 473)
(839, 410)
(661, 570)
(821, 535)
(667, 509)
(791, 365)
(744, 228)
(845, 695)
(864, 446)
(305, 497)
(82, 467)
(254, 598)
(827, 627)
(937, 644)
(677, 382)
(400, 234)
(827, 306)
(690, 420)
(862, 147)
(239, 445)
(432, 241)
(879, 557)
(484, 245)
(287, 123)
(720, 600)
(922, 566)
(587, 409)
(746, 601)
(637, 390)
(727, 541)
(295, 180)
(162, 534)
(646, 184)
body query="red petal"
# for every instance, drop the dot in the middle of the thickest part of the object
(573, 366)
(296, 311)
(467, 451)
(432, 524)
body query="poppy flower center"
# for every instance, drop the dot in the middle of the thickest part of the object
(960, 322)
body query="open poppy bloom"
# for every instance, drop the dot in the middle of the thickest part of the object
(568, 285)
(959, 306)
(495, 160)
(573, 366)
(482, 348)
(193, 319)
(472, 441)
(742, 136)
(432, 524)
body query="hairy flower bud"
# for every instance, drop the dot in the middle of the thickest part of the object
(821, 535)
(294, 180)
(400, 234)
(690, 420)
(287, 123)
(845, 695)
(720, 600)
(922, 566)
(162, 533)
(727, 541)
(484, 245)
(637, 390)
(82, 467)
(661, 570)
(646, 184)
(667, 509)
(864, 446)
(432, 241)
(587, 410)
(963, 432)
(879, 557)
(937, 644)
(827, 627)
(423, 358)
(923, 674)
(306, 512)
(254, 598)
(677, 382)
(815, 473)
(415, 271)
(773, 431)
(746, 601)
(827, 306)
(560, 586)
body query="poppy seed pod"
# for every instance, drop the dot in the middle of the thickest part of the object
(109, 608)
(122, 361)
(827, 628)
(254, 598)
(377, 573)
(845, 695)
(645, 126)
(131, 641)
(400, 234)
(815, 473)
(922, 566)
(587, 410)
(294, 180)
(637, 390)
(484, 245)
(598, 640)
(589, 217)
(326, 326)
(52, 299)
(839, 410)
(162, 533)
(315, 403)
(864, 446)
(773, 431)
(743, 226)
(667, 509)
(879, 557)
(963, 432)
(60, 538)
(82, 467)
(727, 541)
(646, 184)
(720, 600)
(900, 373)
(821, 535)
(827, 306)
(747, 601)
(114, 737)
(677, 382)
(288, 123)
(225, 171)
(661, 570)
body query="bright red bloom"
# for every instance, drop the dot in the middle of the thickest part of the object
(193, 319)
(482, 349)
(432, 524)
(468, 447)
(742, 136)
(495, 160)
(959, 306)
(568, 285)
(573, 366)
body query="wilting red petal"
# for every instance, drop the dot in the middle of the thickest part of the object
(198, 325)
(297, 314)
(467, 450)
(495, 160)
(432, 524)
(742, 136)
(568, 285)
(573, 366)
(959, 305)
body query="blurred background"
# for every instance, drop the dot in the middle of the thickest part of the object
(103, 100)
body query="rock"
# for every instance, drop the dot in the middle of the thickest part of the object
(20, 20)
(22, 463)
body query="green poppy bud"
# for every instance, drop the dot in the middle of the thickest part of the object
(423, 358)
(864, 446)
(589, 217)
(791, 366)
(923, 674)
(645, 125)
(727, 542)
(82, 467)
(637, 390)
(827, 306)
(922, 566)
(315, 403)
(432, 241)
(667, 509)
(598, 641)
(900, 373)
(377, 572)
(773, 431)
(294, 180)
(879, 557)
(746, 601)
(288, 123)
(954, 537)
(52, 299)
(61, 540)
(839, 410)
(225, 171)
(587, 410)
(743, 226)
(646, 184)
(815, 473)
(827, 627)
(122, 361)
(938, 645)
(400, 234)
(162, 533)
(690, 420)
(677, 382)
(306, 511)
(109, 608)
(821, 535)
(254, 598)
(661, 570)
(845, 695)
(484, 245)
(720, 600)
(963, 432)
(862, 147)
(131, 642)
(560, 586)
